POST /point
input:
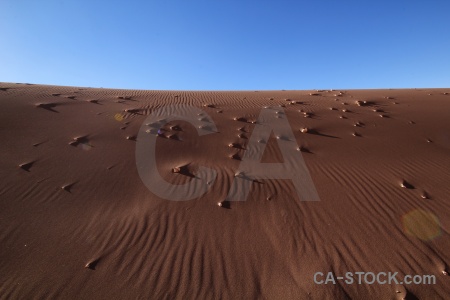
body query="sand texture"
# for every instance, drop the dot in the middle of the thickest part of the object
(77, 221)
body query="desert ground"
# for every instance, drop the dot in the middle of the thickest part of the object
(78, 222)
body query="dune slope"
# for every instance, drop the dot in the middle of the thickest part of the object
(77, 221)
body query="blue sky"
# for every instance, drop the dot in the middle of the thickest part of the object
(226, 45)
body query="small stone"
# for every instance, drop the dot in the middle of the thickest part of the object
(26, 166)
(406, 185)
(240, 119)
(92, 264)
(303, 149)
(235, 156)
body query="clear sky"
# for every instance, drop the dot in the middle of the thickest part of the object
(226, 45)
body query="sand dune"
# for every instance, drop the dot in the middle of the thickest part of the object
(77, 221)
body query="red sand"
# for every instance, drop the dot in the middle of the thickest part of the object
(77, 222)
